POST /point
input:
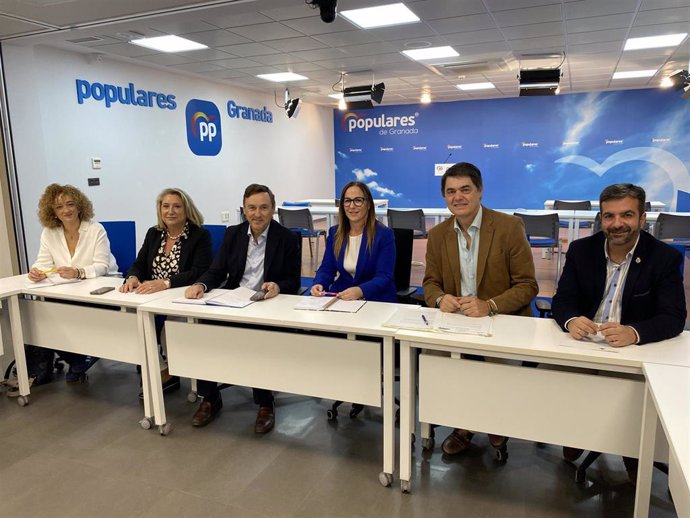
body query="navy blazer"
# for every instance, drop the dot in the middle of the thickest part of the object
(374, 273)
(195, 256)
(653, 298)
(282, 262)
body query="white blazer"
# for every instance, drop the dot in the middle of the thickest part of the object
(92, 252)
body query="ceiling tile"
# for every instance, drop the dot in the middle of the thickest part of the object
(339, 39)
(199, 67)
(179, 27)
(473, 22)
(295, 44)
(237, 20)
(237, 63)
(217, 38)
(266, 31)
(662, 4)
(533, 31)
(166, 59)
(528, 16)
(654, 30)
(313, 25)
(503, 5)
(402, 32)
(369, 49)
(248, 49)
(590, 8)
(540, 45)
(435, 9)
(13, 27)
(277, 59)
(658, 16)
(597, 36)
(320, 54)
(127, 49)
(474, 37)
(598, 23)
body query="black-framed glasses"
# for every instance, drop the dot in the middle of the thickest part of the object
(357, 202)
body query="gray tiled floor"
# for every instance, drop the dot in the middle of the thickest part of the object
(77, 451)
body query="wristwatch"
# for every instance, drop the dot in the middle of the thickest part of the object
(438, 300)
(493, 308)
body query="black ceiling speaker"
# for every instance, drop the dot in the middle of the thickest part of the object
(326, 7)
(539, 81)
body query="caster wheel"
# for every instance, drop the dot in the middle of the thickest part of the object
(405, 486)
(413, 439)
(579, 476)
(23, 400)
(146, 423)
(502, 455)
(192, 397)
(386, 479)
(332, 414)
(165, 429)
(428, 444)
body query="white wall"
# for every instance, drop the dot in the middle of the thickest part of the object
(144, 150)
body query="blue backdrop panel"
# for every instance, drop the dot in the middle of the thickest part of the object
(529, 149)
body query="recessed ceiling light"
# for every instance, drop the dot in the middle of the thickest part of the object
(339, 95)
(655, 42)
(475, 86)
(633, 74)
(169, 44)
(281, 77)
(425, 98)
(666, 82)
(380, 16)
(431, 53)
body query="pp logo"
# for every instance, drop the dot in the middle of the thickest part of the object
(203, 128)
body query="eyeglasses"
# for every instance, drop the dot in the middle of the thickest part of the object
(357, 202)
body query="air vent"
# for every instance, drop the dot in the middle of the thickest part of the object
(474, 67)
(87, 39)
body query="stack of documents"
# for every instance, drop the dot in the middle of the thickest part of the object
(429, 319)
(330, 304)
(237, 298)
(52, 279)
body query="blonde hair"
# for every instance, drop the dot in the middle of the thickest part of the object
(343, 230)
(46, 212)
(190, 209)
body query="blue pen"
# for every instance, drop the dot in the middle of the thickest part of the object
(330, 294)
(426, 322)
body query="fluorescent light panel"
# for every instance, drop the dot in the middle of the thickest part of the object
(475, 86)
(282, 77)
(655, 42)
(634, 74)
(380, 16)
(431, 53)
(169, 44)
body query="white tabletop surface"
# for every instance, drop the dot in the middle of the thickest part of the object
(542, 338)
(12, 285)
(279, 311)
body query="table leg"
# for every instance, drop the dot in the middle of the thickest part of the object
(406, 414)
(19, 351)
(154, 372)
(646, 456)
(386, 477)
(148, 420)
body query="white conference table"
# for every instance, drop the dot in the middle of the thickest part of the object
(68, 318)
(657, 206)
(667, 402)
(10, 288)
(349, 358)
(545, 404)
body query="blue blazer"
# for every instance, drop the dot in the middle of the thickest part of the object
(374, 273)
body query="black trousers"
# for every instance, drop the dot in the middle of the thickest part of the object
(210, 391)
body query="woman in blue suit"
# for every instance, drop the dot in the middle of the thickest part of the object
(360, 252)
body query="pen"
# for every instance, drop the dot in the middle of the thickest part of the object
(426, 322)
(330, 294)
(50, 270)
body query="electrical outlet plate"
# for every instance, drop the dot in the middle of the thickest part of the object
(225, 216)
(95, 163)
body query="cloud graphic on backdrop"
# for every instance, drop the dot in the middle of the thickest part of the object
(588, 110)
(363, 174)
(670, 163)
(342, 155)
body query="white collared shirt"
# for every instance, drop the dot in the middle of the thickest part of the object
(611, 305)
(92, 252)
(253, 276)
(468, 256)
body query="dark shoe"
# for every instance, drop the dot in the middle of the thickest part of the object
(631, 468)
(170, 385)
(206, 412)
(77, 370)
(265, 419)
(497, 440)
(571, 454)
(458, 441)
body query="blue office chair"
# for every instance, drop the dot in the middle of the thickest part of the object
(573, 205)
(300, 220)
(123, 243)
(217, 234)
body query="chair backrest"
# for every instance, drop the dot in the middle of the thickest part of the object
(217, 234)
(411, 219)
(683, 201)
(572, 205)
(296, 204)
(597, 223)
(648, 206)
(243, 218)
(540, 225)
(296, 218)
(672, 226)
(123, 243)
(404, 238)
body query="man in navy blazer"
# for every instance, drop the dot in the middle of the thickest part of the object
(621, 282)
(259, 254)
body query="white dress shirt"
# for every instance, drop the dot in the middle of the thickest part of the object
(253, 276)
(92, 252)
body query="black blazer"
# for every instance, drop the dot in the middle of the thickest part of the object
(195, 256)
(282, 262)
(653, 298)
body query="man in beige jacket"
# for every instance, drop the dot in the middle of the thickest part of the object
(478, 263)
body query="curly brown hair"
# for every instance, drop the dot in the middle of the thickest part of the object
(46, 213)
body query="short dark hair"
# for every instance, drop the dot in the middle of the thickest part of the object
(462, 169)
(257, 188)
(618, 191)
